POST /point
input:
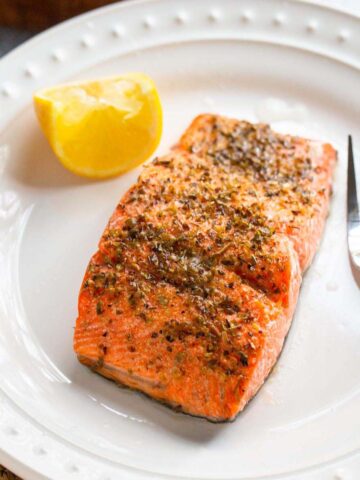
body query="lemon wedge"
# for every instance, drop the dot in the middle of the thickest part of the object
(101, 128)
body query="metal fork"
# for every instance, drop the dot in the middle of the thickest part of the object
(353, 216)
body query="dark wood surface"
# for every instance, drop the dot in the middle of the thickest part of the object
(40, 14)
(6, 475)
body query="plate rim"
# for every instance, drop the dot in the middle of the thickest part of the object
(124, 4)
(27, 467)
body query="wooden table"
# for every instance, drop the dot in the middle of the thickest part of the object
(37, 15)
(6, 475)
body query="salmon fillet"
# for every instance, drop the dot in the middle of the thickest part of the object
(290, 176)
(191, 293)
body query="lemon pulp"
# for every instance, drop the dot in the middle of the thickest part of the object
(102, 128)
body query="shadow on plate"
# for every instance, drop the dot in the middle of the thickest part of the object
(38, 167)
(135, 406)
(31, 161)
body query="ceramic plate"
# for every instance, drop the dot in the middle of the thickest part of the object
(292, 64)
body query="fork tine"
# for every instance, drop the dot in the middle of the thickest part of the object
(352, 201)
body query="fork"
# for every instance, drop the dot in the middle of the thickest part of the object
(353, 216)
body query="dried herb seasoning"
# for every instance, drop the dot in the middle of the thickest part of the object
(208, 216)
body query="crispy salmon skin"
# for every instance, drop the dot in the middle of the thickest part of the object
(192, 290)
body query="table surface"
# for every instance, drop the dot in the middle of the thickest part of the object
(11, 38)
(6, 475)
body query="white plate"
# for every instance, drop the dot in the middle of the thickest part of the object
(59, 420)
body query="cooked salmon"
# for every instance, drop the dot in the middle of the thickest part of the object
(191, 293)
(290, 176)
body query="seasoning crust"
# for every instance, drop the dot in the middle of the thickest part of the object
(193, 288)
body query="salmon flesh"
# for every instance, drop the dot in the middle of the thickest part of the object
(192, 290)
